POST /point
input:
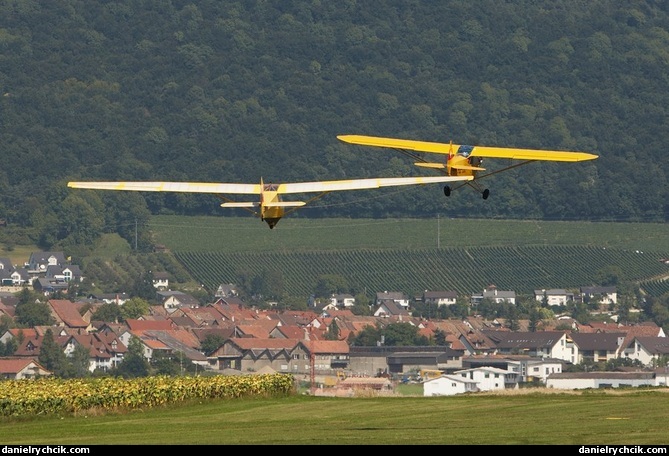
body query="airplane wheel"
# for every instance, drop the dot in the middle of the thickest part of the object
(447, 191)
(486, 194)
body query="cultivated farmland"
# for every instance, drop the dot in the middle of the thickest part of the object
(416, 255)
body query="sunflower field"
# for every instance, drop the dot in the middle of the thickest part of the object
(49, 396)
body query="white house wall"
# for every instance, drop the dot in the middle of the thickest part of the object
(487, 379)
(447, 385)
(561, 350)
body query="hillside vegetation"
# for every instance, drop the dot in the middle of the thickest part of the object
(242, 91)
(463, 255)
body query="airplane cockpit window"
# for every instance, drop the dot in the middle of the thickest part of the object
(465, 150)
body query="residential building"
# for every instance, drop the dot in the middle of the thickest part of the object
(440, 298)
(551, 344)
(39, 261)
(495, 295)
(449, 385)
(391, 309)
(396, 297)
(173, 300)
(342, 300)
(66, 314)
(603, 295)
(597, 347)
(528, 368)
(161, 280)
(648, 350)
(490, 378)
(20, 369)
(554, 296)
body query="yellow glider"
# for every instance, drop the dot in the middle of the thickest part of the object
(271, 207)
(463, 160)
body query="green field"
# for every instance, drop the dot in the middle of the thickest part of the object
(415, 255)
(249, 234)
(594, 418)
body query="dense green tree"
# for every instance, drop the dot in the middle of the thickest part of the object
(79, 361)
(6, 322)
(293, 303)
(461, 307)
(580, 313)
(333, 331)
(268, 285)
(512, 319)
(81, 223)
(143, 287)
(33, 313)
(166, 364)
(361, 306)
(8, 348)
(108, 312)
(402, 334)
(202, 295)
(52, 356)
(330, 284)
(134, 363)
(535, 319)
(440, 337)
(134, 308)
(660, 313)
(610, 276)
(488, 308)
(211, 343)
(369, 336)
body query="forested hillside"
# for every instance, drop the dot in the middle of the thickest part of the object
(239, 91)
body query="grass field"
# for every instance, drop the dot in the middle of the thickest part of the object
(248, 234)
(569, 418)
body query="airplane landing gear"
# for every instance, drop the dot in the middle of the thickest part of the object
(486, 194)
(447, 190)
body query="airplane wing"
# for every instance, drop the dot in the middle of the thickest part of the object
(475, 151)
(361, 184)
(300, 187)
(184, 187)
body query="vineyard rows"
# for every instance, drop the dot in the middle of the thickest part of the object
(121, 273)
(464, 270)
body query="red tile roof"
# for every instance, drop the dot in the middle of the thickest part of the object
(146, 325)
(15, 365)
(68, 313)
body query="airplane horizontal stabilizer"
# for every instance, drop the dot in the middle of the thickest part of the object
(285, 204)
(240, 204)
(431, 165)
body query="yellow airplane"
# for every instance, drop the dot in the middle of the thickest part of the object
(270, 208)
(463, 160)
